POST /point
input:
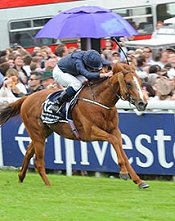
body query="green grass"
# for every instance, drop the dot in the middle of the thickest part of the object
(84, 199)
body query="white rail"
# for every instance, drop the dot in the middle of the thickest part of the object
(152, 105)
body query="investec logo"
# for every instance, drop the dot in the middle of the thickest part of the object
(143, 155)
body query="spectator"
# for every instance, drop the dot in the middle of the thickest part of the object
(115, 57)
(46, 51)
(1, 79)
(163, 88)
(3, 59)
(4, 67)
(142, 67)
(161, 58)
(3, 53)
(11, 62)
(36, 49)
(107, 50)
(51, 61)
(170, 70)
(158, 26)
(124, 50)
(11, 85)
(47, 80)
(27, 59)
(171, 59)
(18, 65)
(147, 51)
(35, 64)
(34, 83)
(61, 51)
(154, 72)
(150, 92)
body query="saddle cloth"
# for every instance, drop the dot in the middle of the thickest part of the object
(50, 116)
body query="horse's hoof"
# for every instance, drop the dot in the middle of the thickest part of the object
(124, 176)
(20, 179)
(143, 185)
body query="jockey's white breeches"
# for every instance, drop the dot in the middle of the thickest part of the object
(67, 80)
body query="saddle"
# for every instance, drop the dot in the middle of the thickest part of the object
(63, 114)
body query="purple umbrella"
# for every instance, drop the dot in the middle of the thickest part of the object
(86, 22)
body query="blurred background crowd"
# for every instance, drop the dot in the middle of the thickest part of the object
(23, 73)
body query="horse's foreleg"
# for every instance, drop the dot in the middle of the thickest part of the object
(99, 134)
(121, 161)
(39, 161)
(29, 154)
(135, 178)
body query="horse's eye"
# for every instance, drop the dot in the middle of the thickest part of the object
(128, 85)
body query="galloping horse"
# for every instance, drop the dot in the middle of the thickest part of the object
(94, 115)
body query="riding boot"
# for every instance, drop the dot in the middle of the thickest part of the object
(64, 97)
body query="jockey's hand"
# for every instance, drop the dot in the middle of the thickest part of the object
(108, 74)
(86, 82)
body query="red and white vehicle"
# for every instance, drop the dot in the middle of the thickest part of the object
(20, 20)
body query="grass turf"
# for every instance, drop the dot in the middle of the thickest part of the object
(84, 199)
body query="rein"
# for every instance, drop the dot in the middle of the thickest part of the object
(93, 101)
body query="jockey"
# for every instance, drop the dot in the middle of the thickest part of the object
(73, 69)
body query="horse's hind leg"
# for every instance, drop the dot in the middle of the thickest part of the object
(29, 154)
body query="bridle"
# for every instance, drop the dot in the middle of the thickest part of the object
(128, 98)
(119, 96)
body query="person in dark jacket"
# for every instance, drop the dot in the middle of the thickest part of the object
(34, 83)
(72, 70)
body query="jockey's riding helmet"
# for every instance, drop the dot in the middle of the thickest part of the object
(92, 59)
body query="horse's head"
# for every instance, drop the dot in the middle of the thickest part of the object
(130, 85)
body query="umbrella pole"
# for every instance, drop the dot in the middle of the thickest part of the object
(85, 44)
(90, 43)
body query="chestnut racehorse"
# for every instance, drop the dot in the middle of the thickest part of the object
(94, 115)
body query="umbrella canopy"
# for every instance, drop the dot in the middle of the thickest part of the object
(86, 22)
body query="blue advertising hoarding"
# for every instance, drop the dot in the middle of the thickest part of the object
(148, 141)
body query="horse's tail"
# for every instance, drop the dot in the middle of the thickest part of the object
(13, 109)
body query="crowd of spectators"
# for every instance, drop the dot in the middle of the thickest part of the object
(156, 70)
(22, 73)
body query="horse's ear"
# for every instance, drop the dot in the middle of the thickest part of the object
(117, 67)
(122, 84)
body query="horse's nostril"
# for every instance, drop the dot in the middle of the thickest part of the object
(142, 104)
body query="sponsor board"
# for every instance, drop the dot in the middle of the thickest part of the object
(148, 141)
